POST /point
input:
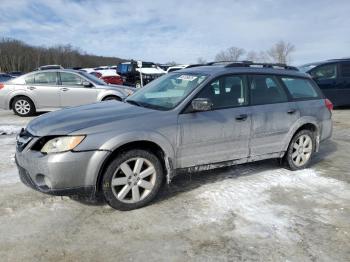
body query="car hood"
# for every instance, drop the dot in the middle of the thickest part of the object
(65, 121)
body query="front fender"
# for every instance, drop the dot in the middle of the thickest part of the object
(106, 93)
(123, 139)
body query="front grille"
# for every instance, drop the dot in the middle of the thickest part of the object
(23, 139)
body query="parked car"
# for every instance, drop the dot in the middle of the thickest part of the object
(130, 73)
(109, 77)
(195, 119)
(15, 73)
(333, 77)
(46, 67)
(5, 77)
(47, 90)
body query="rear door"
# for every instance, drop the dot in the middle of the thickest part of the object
(43, 88)
(73, 92)
(221, 134)
(272, 114)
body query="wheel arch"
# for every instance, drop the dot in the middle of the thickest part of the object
(19, 95)
(148, 145)
(306, 124)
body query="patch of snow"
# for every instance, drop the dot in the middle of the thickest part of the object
(9, 177)
(9, 129)
(251, 199)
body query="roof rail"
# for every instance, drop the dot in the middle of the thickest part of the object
(195, 65)
(264, 65)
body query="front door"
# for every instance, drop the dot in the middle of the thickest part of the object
(218, 135)
(73, 92)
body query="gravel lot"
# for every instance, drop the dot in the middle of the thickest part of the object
(256, 211)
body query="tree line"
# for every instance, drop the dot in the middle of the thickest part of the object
(280, 52)
(16, 55)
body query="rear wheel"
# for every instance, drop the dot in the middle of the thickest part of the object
(300, 150)
(23, 106)
(132, 180)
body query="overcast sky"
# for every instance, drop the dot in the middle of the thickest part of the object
(179, 30)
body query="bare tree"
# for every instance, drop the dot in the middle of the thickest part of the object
(18, 56)
(231, 54)
(281, 52)
(201, 60)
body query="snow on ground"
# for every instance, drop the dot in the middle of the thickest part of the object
(9, 129)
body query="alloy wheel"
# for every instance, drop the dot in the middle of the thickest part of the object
(133, 180)
(302, 150)
(22, 107)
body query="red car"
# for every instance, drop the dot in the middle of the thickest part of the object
(109, 79)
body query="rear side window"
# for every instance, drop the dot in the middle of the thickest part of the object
(266, 90)
(47, 78)
(345, 69)
(299, 87)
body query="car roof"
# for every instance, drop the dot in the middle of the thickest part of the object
(58, 70)
(326, 62)
(222, 69)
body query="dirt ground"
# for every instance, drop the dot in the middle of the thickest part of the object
(252, 212)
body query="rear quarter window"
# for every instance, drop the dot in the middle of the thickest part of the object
(300, 88)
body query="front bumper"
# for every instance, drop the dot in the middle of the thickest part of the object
(68, 173)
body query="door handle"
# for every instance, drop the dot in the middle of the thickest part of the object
(241, 117)
(291, 111)
(64, 89)
(31, 87)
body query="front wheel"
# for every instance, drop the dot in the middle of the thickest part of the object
(300, 150)
(132, 180)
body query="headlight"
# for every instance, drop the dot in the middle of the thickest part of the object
(61, 144)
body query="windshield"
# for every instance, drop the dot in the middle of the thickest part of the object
(167, 91)
(92, 78)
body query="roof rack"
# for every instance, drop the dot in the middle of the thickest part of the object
(264, 65)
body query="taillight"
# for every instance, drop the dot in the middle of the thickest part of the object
(328, 104)
(2, 85)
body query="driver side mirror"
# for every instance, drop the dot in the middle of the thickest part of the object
(202, 104)
(87, 84)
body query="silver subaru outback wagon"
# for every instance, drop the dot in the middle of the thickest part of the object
(194, 119)
(48, 90)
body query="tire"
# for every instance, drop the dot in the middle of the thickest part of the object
(125, 184)
(298, 156)
(108, 98)
(23, 106)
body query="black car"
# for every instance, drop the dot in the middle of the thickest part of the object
(333, 77)
(5, 77)
(130, 72)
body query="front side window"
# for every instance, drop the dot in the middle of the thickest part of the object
(167, 91)
(299, 87)
(45, 78)
(69, 79)
(264, 89)
(325, 72)
(226, 92)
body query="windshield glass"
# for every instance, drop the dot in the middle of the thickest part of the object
(167, 91)
(92, 78)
